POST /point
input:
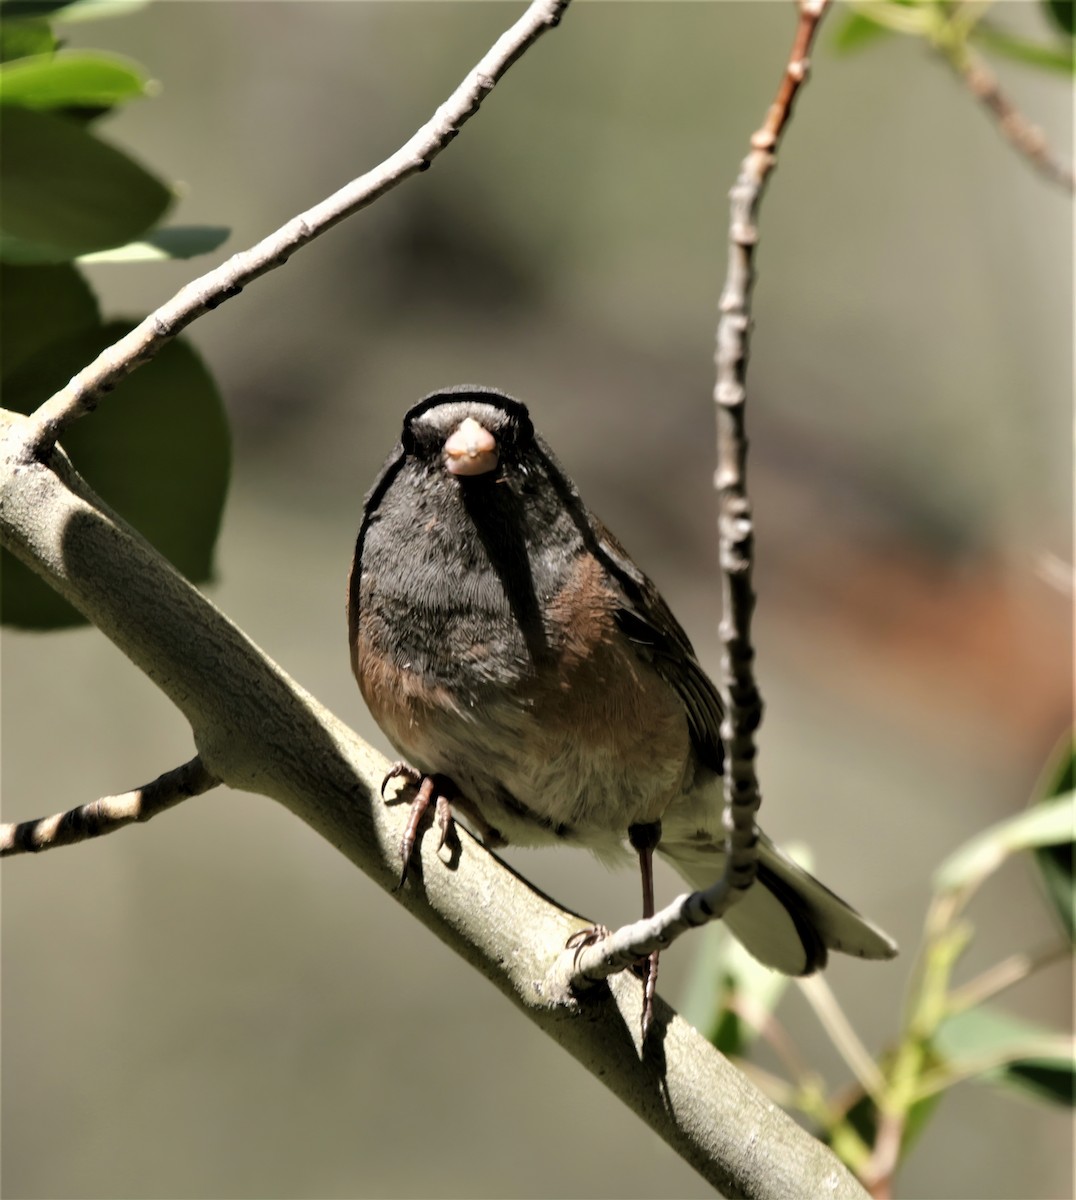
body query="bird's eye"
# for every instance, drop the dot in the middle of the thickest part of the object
(420, 441)
(523, 431)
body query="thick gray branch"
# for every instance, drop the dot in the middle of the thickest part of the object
(257, 730)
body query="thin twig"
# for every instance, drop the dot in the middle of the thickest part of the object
(1055, 1046)
(743, 705)
(1004, 975)
(624, 947)
(81, 394)
(739, 689)
(1025, 137)
(877, 1176)
(777, 1037)
(820, 997)
(109, 813)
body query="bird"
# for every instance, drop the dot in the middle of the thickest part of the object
(536, 682)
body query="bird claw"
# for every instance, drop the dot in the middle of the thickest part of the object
(432, 789)
(400, 770)
(645, 969)
(582, 938)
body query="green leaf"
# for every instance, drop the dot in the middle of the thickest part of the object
(70, 10)
(71, 78)
(157, 450)
(11, 10)
(863, 1117)
(1048, 824)
(987, 1044)
(856, 31)
(1062, 14)
(1055, 863)
(177, 241)
(20, 39)
(95, 10)
(40, 305)
(1023, 50)
(66, 192)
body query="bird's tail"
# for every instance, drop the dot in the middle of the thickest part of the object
(787, 919)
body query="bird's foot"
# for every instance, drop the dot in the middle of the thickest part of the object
(431, 789)
(582, 938)
(645, 968)
(448, 801)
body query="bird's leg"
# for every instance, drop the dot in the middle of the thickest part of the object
(443, 794)
(432, 789)
(644, 838)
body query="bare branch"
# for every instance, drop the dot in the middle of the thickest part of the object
(743, 704)
(625, 946)
(1005, 974)
(739, 690)
(1025, 138)
(257, 730)
(820, 997)
(82, 392)
(109, 813)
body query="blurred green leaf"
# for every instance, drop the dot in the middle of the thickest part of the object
(855, 31)
(1019, 49)
(38, 306)
(71, 78)
(1013, 1053)
(66, 192)
(863, 1117)
(1048, 824)
(1063, 15)
(157, 451)
(70, 10)
(1055, 863)
(20, 39)
(177, 241)
(95, 10)
(11, 10)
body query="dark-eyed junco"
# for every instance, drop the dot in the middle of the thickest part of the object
(523, 664)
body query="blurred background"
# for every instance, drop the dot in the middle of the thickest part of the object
(218, 1004)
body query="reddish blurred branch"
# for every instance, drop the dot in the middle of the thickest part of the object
(1025, 138)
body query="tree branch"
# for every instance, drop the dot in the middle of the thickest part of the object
(743, 704)
(1005, 974)
(1027, 139)
(818, 995)
(82, 392)
(257, 730)
(739, 690)
(109, 813)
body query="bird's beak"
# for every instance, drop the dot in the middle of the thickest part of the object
(471, 450)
